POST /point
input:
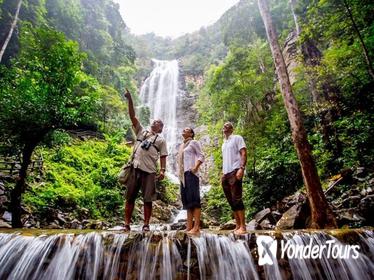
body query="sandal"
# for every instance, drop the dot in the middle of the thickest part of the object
(145, 228)
(126, 228)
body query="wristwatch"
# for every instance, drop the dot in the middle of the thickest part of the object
(242, 167)
(162, 169)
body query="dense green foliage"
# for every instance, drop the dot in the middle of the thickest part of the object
(243, 89)
(45, 89)
(49, 84)
(80, 175)
(70, 60)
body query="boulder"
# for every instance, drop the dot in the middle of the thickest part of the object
(7, 216)
(162, 211)
(54, 225)
(4, 224)
(61, 219)
(178, 226)
(275, 216)
(289, 201)
(366, 191)
(266, 225)
(230, 225)
(263, 214)
(252, 225)
(349, 217)
(75, 224)
(289, 218)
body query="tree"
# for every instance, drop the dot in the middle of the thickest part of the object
(12, 27)
(44, 90)
(321, 213)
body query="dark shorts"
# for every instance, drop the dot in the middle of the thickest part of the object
(233, 190)
(190, 193)
(144, 181)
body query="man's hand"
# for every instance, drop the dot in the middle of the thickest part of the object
(161, 176)
(127, 94)
(240, 173)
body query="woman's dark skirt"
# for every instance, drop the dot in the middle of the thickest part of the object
(190, 193)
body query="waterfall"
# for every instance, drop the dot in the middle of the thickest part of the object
(159, 93)
(175, 255)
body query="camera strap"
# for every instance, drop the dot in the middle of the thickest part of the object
(153, 142)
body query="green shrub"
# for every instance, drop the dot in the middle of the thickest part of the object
(80, 175)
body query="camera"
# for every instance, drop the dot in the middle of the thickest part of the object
(146, 145)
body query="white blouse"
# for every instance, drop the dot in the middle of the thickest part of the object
(192, 153)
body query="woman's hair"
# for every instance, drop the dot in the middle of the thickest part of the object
(193, 132)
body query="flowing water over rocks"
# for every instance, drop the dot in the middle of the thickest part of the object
(175, 255)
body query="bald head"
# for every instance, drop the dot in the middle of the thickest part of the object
(157, 126)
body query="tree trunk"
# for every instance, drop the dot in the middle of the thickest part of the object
(19, 189)
(12, 27)
(321, 213)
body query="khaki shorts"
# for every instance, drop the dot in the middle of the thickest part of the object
(144, 181)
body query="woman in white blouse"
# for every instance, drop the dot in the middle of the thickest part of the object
(190, 157)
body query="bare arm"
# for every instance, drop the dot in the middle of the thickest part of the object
(133, 118)
(243, 157)
(162, 168)
(196, 167)
(243, 162)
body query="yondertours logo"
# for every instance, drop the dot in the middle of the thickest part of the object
(267, 250)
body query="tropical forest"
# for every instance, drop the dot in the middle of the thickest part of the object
(290, 81)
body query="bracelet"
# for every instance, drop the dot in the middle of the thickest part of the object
(242, 167)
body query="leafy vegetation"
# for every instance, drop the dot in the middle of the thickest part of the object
(70, 60)
(243, 89)
(80, 175)
(47, 84)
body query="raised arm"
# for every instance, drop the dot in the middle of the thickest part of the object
(133, 118)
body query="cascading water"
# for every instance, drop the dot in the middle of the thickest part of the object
(175, 255)
(159, 93)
